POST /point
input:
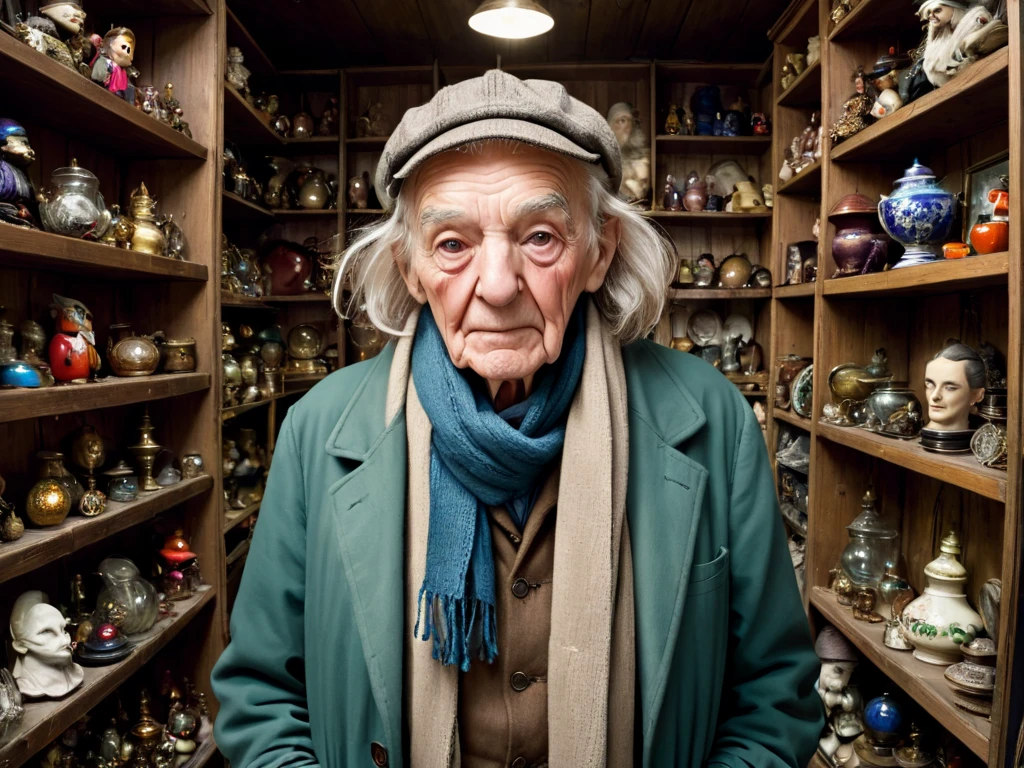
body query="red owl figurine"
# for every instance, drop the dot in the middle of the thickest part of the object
(72, 351)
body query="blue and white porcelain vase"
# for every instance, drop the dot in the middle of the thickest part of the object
(918, 215)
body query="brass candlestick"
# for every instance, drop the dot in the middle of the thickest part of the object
(145, 452)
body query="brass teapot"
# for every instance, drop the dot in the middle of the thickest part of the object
(851, 385)
(132, 355)
(147, 237)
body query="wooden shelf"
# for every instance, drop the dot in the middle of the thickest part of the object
(234, 410)
(238, 553)
(37, 83)
(244, 125)
(798, 290)
(972, 102)
(367, 143)
(302, 213)
(17, 404)
(228, 299)
(924, 682)
(807, 182)
(791, 417)
(949, 275)
(365, 212)
(961, 470)
(702, 217)
(682, 294)
(32, 249)
(302, 298)
(872, 16)
(235, 207)
(295, 384)
(805, 91)
(735, 145)
(150, 9)
(236, 516)
(44, 719)
(40, 546)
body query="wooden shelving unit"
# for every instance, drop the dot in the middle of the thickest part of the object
(235, 207)
(910, 312)
(695, 217)
(237, 516)
(721, 145)
(805, 90)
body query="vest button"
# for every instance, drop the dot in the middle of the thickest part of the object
(520, 588)
(379, 754)
(520, 682)
(519, 762)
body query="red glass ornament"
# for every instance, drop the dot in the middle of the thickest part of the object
(106, 632)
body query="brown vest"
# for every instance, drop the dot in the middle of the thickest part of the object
(503, 707)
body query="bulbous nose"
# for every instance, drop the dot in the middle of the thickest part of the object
(498, 280)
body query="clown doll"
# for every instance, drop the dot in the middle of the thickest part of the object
(112, 67)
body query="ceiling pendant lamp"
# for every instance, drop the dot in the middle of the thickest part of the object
(511, 19)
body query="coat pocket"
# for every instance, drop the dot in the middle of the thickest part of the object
(707, 577)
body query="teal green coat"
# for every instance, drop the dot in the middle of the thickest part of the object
(725, 666)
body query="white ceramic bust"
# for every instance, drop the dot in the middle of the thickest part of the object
(954, 381)
(39, 636)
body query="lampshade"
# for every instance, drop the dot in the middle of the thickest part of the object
(511, 19)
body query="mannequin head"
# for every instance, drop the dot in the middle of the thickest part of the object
(954, 381)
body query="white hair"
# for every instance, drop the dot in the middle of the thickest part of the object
(631, 299)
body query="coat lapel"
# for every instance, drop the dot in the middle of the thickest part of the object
(665, 497)
(369, 507)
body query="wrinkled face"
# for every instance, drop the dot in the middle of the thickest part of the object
(938, 14)
(949, 395)
(44, 636)
(122, 50)
(501, 252)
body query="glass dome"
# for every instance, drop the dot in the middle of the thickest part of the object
(873, 545)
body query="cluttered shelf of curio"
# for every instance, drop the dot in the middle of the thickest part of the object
(17, 404)
(946, 275)
(46, 719)
(37, 547)
(924, 682)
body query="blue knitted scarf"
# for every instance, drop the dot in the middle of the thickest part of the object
(478, 459)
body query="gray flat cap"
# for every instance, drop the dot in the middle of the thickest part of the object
(497, 106)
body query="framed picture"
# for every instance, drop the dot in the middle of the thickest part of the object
(978, 180)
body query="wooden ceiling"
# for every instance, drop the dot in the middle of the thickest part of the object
(326, 34)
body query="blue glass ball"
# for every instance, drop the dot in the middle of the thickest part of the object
(20, 374)
(883, 718)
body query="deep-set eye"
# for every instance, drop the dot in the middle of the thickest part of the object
(540, 239)
(451, 245)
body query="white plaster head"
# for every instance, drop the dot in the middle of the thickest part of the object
(39, 636)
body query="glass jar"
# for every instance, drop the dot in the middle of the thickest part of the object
(125, 593)
(873, 545)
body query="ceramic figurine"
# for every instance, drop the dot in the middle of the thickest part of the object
(884, 78)
(671, 200)
(760, 125)
(359, 191)
(704, 273)
(919, 214)
(843, 704)
(858, 247)
(954, 382)
(147, 236)
(855, 110)
(69, 19)
(672, 125)
(696, 194)
(746, 199)
(813, 49)
(788, 76)
(992, 231)
(73, 355)
(175, 114)
(88, 452)
(957, 35)
(44, 667)
(237, 74)
(41, 34)
(940, 620)
(635, 149)
(689, 123)
(798, 62)
(16, 155)
(112, 67)
(73, 205)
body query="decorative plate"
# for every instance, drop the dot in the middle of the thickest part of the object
(801, 391)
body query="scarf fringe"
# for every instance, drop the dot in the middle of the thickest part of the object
(451, 643)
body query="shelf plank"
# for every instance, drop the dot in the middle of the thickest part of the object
(305, 213)
(972, 102)
(44, 720)
(871, 16)
(703, 217)
(17, 404)
(302, 298)
(244, 125)
(805, 91)
(235, 207)
(791, 417)
(367, 143)
(365, 212)
(234, 410)
(797, 290)
(923, 682)
(681, 294)
(807, 182)
(948, 275)
(40, 546)
(228, 299)
(20, 247)
(961, 470)
(87, 111)
(735, 145)
(149, 10)
(295, 384)
(236, 516)
(238, 553)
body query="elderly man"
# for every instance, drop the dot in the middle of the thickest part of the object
(521, 536)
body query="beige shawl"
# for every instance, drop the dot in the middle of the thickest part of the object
(591, 674)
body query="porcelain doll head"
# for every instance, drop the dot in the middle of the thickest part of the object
(954, 381)
(68, 16)
(40, 638)
(940, 14)
(119, 46)
(888, 101)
